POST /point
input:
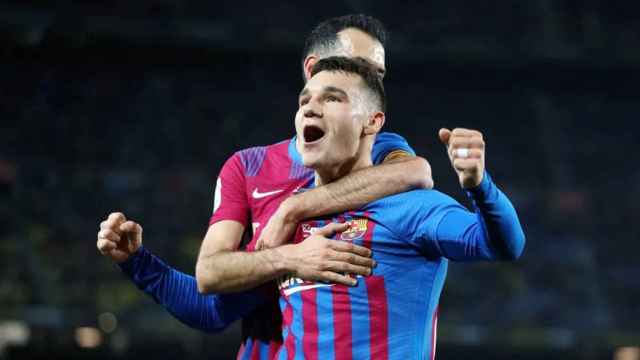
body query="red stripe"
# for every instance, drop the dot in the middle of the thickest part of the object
(273, 349)
(289, 344)
(255, 352)
(434, 332)
(241, 350)
(310, 324)
(378, 317)
(342, 322)
(367, 237)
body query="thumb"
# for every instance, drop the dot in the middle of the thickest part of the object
(332, 228)
(444, 134)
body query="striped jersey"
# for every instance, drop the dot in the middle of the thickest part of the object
(250, 187)
(392, 314)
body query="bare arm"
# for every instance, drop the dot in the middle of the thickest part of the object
(220, 268)
(398, 173)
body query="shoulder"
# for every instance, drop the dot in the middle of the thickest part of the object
(407, 212)
(385, 138)
(253, 158)
(387, 143)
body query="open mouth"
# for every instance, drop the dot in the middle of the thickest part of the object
(312, 133)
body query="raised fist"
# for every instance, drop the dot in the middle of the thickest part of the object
(466, 152)
(118, 237)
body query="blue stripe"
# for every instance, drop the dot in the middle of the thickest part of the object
(293, 152)
(434, 300)
(285, 332)
(297, 328)
(264, 350)
(360, 330)
(325, 324)
(297, 170)
(248, 346)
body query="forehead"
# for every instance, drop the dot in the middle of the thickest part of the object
(357, 43)
(341, 80)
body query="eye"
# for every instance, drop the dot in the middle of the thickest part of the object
(332, 98)
(304, 101)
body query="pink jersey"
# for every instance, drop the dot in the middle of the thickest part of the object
(251, 186)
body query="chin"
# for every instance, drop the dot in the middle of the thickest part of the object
(310, 161)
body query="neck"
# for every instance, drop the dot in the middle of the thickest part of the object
(330, 174)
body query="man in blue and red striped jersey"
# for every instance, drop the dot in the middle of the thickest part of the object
(392, 313)
(251, 185)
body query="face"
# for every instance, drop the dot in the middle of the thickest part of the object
(330, 120)
(355, 43)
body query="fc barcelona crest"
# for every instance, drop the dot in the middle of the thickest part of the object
(357, 228)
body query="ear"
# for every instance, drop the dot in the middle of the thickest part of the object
(374, 123)
(309, 61)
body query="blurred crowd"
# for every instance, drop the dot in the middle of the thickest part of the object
(81, 140)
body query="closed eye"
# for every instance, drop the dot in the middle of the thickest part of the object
(333, 98)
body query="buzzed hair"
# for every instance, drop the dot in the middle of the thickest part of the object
(324, 37)
(360, 67)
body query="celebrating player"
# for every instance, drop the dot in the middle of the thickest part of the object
(252, 185)
(390, 314)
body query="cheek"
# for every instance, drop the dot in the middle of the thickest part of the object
(298, 121)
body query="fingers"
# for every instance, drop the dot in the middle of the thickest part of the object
(108, 234)
(444, 135)
(462, 132)
(105, 245)
(465, 142)
(113, 222)
(343, 267)
(350, 258)
(131, 227)
(332, 277)
(465, 153)
(329, 229)
(347, 247)
(466, 164)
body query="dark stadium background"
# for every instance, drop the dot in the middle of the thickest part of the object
(134, 106)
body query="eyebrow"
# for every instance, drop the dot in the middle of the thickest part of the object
(329, 88)
(334, 89)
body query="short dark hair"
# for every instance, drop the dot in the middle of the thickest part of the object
(360, 67)
(326, 33)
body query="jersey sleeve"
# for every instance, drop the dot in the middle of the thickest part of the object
(387, 143)
(441, 227)
(178, 293)
(230, 200)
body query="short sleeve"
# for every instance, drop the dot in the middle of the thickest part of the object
(386, 143)
(230, 200)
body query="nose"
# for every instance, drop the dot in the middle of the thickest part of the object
(312, 109)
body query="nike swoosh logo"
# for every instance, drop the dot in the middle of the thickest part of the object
(258, 195)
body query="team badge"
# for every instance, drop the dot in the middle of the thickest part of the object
(357, 228)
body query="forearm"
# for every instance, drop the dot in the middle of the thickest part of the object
(177, 293)
(491, 232)
(360, 188)
(231, 271)
(499, 219)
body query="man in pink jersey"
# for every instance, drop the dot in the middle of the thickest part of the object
(255, 185)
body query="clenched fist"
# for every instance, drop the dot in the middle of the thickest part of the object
(118, 237)
(466, 152)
